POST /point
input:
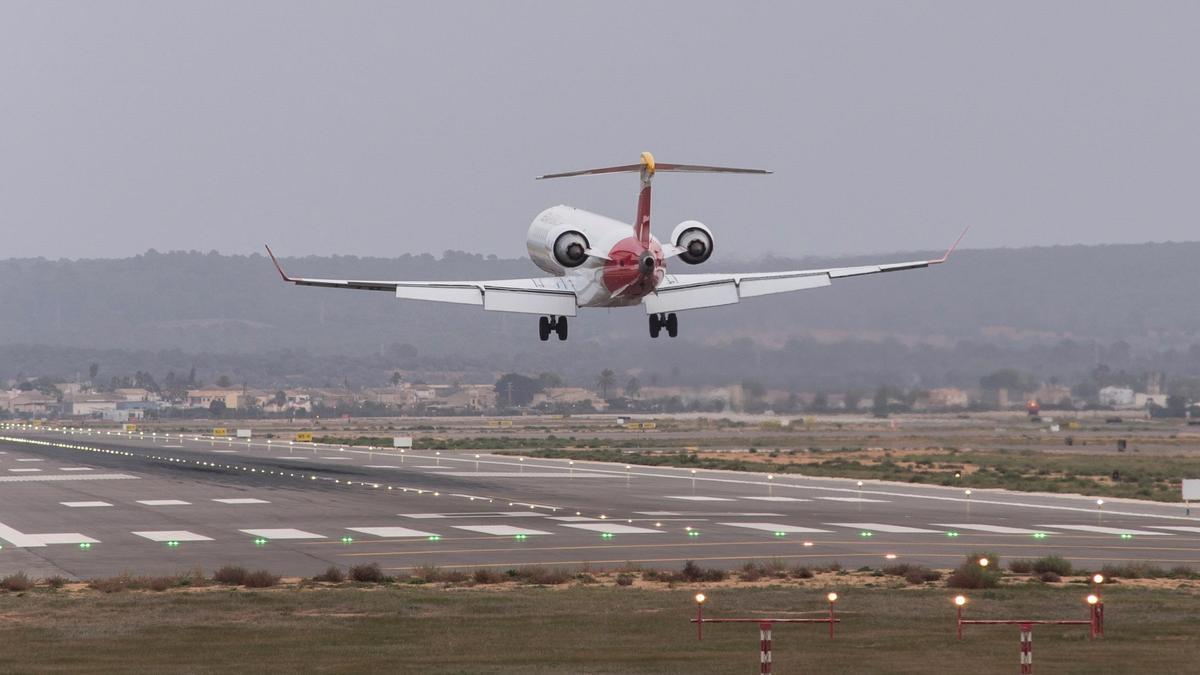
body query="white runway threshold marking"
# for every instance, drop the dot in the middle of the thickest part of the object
(24, 470)
(776, 527)
(30, 459)
(572, 519)
(172, 535)
(499, 530)
(75, 468)
(84, 505)
(392, 532)
(693, 498)
(283, 533)
(778, 499)
(995, 529)
(613, 528)
(862, 500)
(163, 502)
(58, 477)
(22, 540)
(1177, 528)
(884, 527)
(468, 514)
(1104, 530)
(242, 500)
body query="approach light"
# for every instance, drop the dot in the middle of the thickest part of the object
(1097, 578)
(700, 598)
(890, 556)
(808, 543)
(1092, 599)
(983, 562)
(1099, 502)
(960, 600)
(832, 597)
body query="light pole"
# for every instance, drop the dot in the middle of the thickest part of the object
(968, 492)
(693, 482)
(627, 475)
(700, 616)
(770, 485)
(1099, 510)
(959, 601)
(476, 463)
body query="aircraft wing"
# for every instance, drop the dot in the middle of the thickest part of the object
(678, 292)
(550, 296)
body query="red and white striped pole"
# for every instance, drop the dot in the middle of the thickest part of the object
(1026, 648)
(764, 648)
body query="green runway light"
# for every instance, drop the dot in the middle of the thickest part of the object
(951, 533)
(85, 545)
(1126, 535)
(606, 535)
(866, 533)
(347, 540)
(260, 542)
(1039, 535)
(435, 537)
(520, 537)
(172, 544)
(780, 534)
(693, 533)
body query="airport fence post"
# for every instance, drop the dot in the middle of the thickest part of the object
(1026, 648)
(764, 637)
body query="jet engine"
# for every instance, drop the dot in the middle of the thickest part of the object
(570, 249)
(695, 240)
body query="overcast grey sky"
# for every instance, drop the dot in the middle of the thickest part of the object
(385, 128)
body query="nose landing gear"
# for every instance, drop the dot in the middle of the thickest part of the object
(661, 321)
(552, 324)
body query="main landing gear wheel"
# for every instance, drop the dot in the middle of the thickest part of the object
(552, 324)
(661, 321)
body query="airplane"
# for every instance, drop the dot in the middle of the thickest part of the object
(597, 261)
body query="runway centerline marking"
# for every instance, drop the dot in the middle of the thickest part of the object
(241, 500)
(778, 499)
(775, 527)
(612, 528)
(1105, 530)
(884, 527)
(499, 530)
(283, 533)
(392, 532)
(172, 535)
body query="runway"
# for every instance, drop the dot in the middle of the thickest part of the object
(89, 504)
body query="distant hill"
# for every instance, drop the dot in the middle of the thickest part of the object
(192, 303)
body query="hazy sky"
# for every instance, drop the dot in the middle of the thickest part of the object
(384, 128)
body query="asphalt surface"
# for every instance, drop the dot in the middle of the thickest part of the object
(93, 504)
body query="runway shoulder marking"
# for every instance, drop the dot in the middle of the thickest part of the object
(242, 500)
(693, 498)
(527, 474)
(172, 535)
(392, 532)
(84, 505)
(884, 527)
(854, 499)
(468, 514)
(24, 470)
(1105, 530)
(612, 528)
(501, 530)
(777, 499)
(775, 527)
(1177, 528)
(163, 502)
(995, 529)
(283, 533)
(75, 468)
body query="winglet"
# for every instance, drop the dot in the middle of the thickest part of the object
(952, 247)
(277, 267)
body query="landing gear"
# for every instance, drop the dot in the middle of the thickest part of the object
(552, 324)
(661, 321)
